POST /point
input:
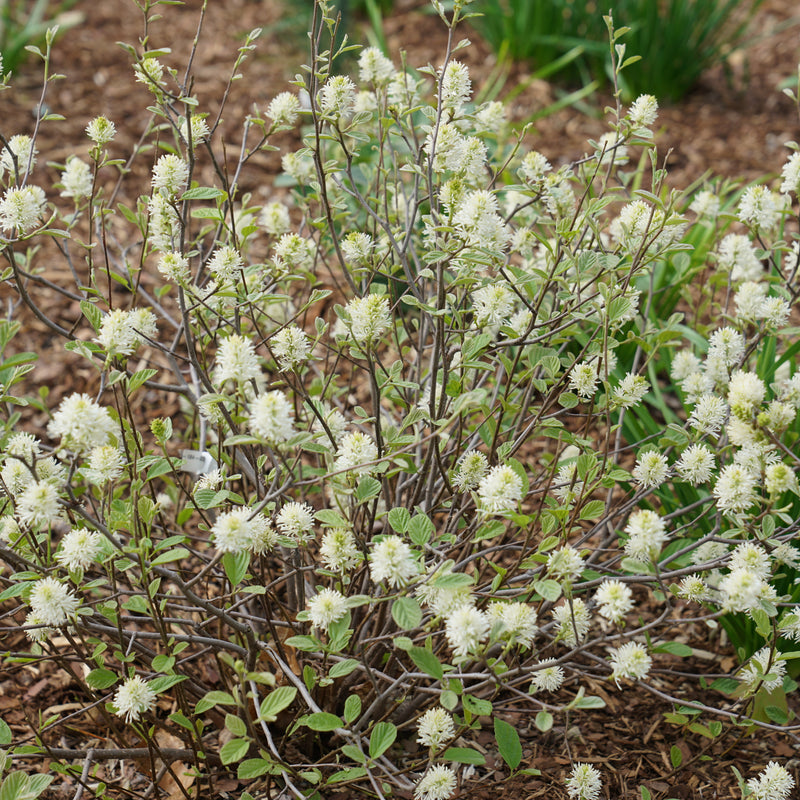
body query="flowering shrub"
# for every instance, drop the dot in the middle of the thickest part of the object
(404, 483)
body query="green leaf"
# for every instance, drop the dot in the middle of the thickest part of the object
(213, 698)
(203, 193)
(352, 708)
(399, 519)
(367, 489)
(253, 768)
(464, 755)
(548, 589)
(93, 314)
(544, 721)
(171, 555)
(593, 509)
(590, 701)
(164, 682)
(381, 739)
(350, 774)
(234, 750)
(235, 566)
(101, 678)
(276, 701)
(675, 648)
(420, 529)
(139, 378)
(406, 613)
(235, 725)
(14, 786)
(5, 733)
(477, 706)
(322, 721)
(343, 668)
(675, 756)
(328, 517)
(427, 662)
(776, 715)
(353, 753)
(508, 743)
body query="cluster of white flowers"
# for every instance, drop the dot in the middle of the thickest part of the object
(500, 490)
(393, 561)
(82, 424)
(272, 417)
(240, 530)
(122, 332)
(326, 607)
(134, 698)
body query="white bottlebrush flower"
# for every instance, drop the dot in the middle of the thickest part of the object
(534, 167)
(392, 560)
(438, 783)
(79, 549)
(76, 179)
(369, 317)
(614, 600)
(121, 332)
(565, 564)
(356, 454)
(651, 469)
(643, 113)
(696, 464)
(693, 589)
(299, 166)
(493, 305)
(226, 264)
(164, 224)
(235, 531)
(572, 621)
(709, 414)
(741, 590)
(456, 86)
(435, 728)
(705, 204)
(684, 363)
(326, 607)
(584, 782)
(52, 602)
(357, 248)
(479, 222)
(82, 424)
(442, 600)
(749, 301)
(746, 391)
(134, 698)
(774, 783)
(295, 251)
(765, 668)
(748, 555)
(199, 130)
(726, 345)
(736, 255)
(547, 676)
(101, 131)
(374, 67)
(291, 347)
(647, 533)
(150, 72)
(335, 424)
(472, 466)
(448, 149)
(775, 312)
(271, 417)
(630, 390)
(338, 550)
(174, 267)
(337, 97)
(780, 478)
(236, 361)
(295, 520)
(35, 629)
(466, 628)
(500, 490)
(583, 379)
(760, 207)
(275, 219)
(170, 175)
(630, 660)
(791, 175)
(491, 117)
(284, 110)
(106, 463)
(18, 148)
(21, 209)
(735, 489)
(517, 622)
